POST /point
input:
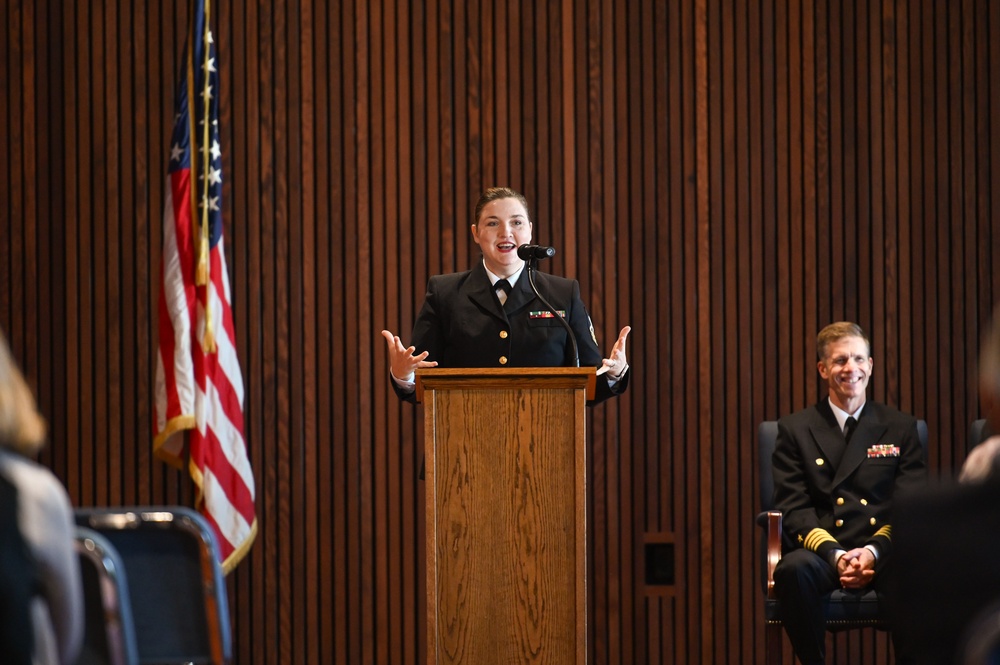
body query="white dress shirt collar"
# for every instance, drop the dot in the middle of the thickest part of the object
(842, 415)
(495, 278)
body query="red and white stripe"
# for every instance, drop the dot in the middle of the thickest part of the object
(201, 390)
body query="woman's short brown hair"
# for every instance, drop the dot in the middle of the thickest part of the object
(496, 193)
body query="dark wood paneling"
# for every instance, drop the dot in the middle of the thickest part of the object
(724, 176)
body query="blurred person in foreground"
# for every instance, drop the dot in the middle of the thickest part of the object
(983, 461)
(490, 317)
(41, 597)
(837, 467)
(946, 586)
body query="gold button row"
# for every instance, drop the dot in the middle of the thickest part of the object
(841, 522)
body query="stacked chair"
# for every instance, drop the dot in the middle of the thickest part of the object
(155, 593)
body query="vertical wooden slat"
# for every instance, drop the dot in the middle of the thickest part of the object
(980, 130)
(12, 172)
(102, 90)
(122, 472)
(11, 68)
(920, 157)
(675, 517)
(885, 80)
(79, 356)
(23, 146)
(390, 648)
(796, 223)
(993, 215)
(810, 239)
(945, 69)
(902, 201)
(702, 328)
(967, 327)
(409, 590)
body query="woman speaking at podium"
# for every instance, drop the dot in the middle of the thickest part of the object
(490, 316)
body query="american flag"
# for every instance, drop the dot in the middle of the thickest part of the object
(199, 386)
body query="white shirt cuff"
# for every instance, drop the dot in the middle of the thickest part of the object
(407, 385)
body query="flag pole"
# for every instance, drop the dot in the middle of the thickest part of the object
(203, 275)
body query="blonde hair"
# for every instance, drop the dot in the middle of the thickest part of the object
(837, 331)
(22, 428)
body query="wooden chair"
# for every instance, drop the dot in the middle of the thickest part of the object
(845, 609)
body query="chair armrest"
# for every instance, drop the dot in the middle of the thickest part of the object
(771, 522)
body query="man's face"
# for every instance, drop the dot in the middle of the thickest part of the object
(847, 368)
(502, 227)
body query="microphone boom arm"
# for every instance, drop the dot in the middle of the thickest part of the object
(531, 265)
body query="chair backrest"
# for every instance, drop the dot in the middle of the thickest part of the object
(979, 431)
(109, 634)
(767, 438)
(175, 582)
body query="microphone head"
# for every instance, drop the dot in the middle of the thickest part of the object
(527, 252)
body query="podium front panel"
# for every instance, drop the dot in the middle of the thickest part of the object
(506, 527)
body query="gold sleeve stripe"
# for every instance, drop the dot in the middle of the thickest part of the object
(885, 531)
(817, 537)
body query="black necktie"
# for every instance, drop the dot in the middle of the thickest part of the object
(849, 427)
(503, 285)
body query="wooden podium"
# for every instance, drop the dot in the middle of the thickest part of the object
(506, 514)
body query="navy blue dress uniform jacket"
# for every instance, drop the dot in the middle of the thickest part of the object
(462, 324)
(835, 495)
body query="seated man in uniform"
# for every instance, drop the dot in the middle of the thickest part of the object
(837, 467)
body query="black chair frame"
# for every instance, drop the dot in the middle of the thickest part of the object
(175, 581)
(109, 636)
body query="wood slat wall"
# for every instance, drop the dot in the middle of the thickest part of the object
(724, 176)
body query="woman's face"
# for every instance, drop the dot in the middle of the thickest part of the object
(502, 227)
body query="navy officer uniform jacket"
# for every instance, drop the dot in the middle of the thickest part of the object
(837, 495)
(462, 324)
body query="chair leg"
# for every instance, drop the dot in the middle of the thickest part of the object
(772, 643)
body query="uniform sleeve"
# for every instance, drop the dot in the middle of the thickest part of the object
(800, 520)
(590, 352)
(428, 334)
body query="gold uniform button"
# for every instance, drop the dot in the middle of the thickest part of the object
(503, 360)
(873, 521)
(839, 522)
(840, 501)
(864, 502)
(503, 334)
(819, 461)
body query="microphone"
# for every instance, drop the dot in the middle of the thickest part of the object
(531, 254)
(525, 252)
